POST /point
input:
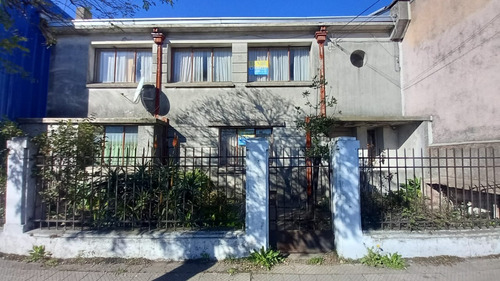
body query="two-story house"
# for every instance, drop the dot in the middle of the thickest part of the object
(216, 81)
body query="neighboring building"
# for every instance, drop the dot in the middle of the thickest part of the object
(23, 93)
(450, 70)
(224, 79)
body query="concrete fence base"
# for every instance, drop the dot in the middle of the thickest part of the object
(132, 244)
(459, 243)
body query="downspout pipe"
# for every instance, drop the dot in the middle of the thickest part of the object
(158, 38)
(321, 38)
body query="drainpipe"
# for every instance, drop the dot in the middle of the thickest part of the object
(158, 38)
(321, 38)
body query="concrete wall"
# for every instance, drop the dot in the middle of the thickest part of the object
(459, 243)
(450, 67)
(372, 90)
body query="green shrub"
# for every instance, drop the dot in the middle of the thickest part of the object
(374, 257)
(266, 258)
(38, 253)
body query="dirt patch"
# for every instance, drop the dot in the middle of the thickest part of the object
(12, 257)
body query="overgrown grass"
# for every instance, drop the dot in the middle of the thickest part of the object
(266, 258)
(376, 258)
(316, 260)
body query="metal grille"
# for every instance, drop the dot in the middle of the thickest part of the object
(188, 190)
(433, 189)
(294, 204)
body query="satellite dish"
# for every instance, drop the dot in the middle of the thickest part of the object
(138, 90)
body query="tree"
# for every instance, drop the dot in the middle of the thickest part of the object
(51, 10)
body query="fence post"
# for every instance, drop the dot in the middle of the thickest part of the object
(346, 198)
(20, 193)
(257, 193)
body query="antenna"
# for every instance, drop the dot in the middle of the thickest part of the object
(138, 90)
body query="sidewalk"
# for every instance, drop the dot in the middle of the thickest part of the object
(476, 269)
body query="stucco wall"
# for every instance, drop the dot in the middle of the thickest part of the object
(372, 90)
(450, 66)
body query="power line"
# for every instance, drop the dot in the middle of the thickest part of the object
(349, 22)
(451, 52)
(452, 61)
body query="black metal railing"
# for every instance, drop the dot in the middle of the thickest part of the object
(299, 191)
(433, 189)
(190, 189)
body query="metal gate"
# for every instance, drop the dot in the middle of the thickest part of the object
(300, 202)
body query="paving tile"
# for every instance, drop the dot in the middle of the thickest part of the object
(43, 275)
(59, 276)
(403, 277)
(324, 277)
(224, 277)
(92, 276)
(16, 274)
(177, 276)
(267, 277)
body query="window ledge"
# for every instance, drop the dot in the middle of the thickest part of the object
(112, 85)
(200, 85)
(280, 84)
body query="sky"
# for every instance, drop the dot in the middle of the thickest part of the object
(262, 8)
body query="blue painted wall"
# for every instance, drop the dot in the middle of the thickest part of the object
(25, 97)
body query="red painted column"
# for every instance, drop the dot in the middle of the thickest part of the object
(321, 38)
(158, 38)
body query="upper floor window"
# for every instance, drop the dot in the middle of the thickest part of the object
(123, 65)
(201, 65)
(278, 64)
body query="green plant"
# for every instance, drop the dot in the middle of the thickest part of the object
(38, 253)
(316, 260)
(231, 271)
(374, 257)
(205, 256)
(65, 153)
(266, 258)
(317, 125)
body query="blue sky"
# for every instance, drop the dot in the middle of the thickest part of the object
(262, 8)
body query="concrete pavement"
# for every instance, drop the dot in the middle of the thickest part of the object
(476, 269)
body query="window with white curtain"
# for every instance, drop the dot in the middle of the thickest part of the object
(123, 65)
(278, 64)
(121, 143)
(201, 65)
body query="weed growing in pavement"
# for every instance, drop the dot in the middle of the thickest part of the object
(376, 258)
(232, 271)
(38, 253)
(266, 258)
(316, 260)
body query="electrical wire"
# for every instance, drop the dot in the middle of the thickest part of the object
(474, 34)
(353, 19)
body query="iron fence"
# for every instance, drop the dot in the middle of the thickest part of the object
(437, 188)
(299, 191)
(189, 189)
